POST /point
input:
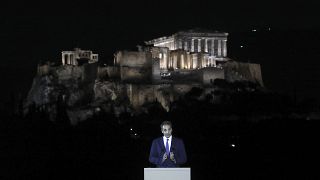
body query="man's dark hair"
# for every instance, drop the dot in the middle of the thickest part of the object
(166, 123)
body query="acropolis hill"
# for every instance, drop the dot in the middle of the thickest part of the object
(162, 71)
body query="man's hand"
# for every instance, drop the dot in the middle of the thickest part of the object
(164, 157)
(172, 157)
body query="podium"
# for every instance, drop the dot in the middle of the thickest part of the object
(167, 174)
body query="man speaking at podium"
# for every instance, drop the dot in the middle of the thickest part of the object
(167, 151)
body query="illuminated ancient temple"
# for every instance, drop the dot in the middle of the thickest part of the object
(193, 56)
(191, 49)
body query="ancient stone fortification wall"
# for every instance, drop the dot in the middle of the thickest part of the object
(156, 70)
(135, 74)
(212, 73)
(134, 58)
(111, 72)
(238, 71)
(135, 66)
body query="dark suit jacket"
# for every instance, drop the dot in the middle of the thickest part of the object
(158, 149)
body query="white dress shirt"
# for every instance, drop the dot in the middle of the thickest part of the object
(165, 141)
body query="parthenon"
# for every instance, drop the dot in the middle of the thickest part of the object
(190, 49)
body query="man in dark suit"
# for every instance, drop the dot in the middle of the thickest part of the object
(167, 151)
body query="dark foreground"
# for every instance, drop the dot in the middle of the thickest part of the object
(105, 147)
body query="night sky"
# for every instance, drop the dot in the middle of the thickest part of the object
(281, 36)
(33, 32)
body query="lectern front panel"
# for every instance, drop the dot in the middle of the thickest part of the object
(167, 174)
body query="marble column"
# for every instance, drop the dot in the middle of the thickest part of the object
(182, 61)
(192, 45)
(165, 61)
(186, 45)
(206, 45)
(224, 48)
(194, 61)
(62, 58)
(219, 47)
(199, 45)
(176, 61)
(179, 44)
(189, 61)
(212, 47)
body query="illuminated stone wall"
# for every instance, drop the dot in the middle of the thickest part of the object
(134, 58)
(135, 74)
(135, 66)
(140, 94)
(156, 78)
(163, 54)
(110, 72)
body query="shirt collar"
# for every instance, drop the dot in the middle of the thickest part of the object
(165, 138)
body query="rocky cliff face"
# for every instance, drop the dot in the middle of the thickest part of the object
(237, 71)
(78, 93)
(68, 86)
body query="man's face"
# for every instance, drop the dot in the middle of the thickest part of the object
(166, 130)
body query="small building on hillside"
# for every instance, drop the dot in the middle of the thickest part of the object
(78, 57)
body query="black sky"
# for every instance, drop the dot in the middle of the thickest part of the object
(33, 32)
(66, 24)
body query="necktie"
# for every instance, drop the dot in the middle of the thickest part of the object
(167, 148)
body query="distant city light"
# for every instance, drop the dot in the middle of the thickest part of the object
(233, 145)
(130, 129)
(135, 134)
(269, 29)
(241, 46)
(254, 30)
